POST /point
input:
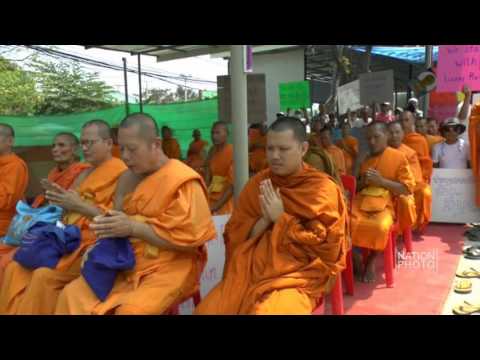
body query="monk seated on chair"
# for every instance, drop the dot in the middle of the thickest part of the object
(26, 291)
(384, 175)
(166, 218)
(68, 168)
(219, 171)
(286, 240)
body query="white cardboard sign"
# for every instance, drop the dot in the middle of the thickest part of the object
(454, 196)
(213, 272)
(349, 97)
(376, 87)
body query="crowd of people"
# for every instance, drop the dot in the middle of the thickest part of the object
(289, 234)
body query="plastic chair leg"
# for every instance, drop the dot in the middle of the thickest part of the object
(336, 297)
(388, 259)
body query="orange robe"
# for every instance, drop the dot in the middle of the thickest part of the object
(13, 184)
(180, 215)
(433, 140)
(422, 193)
(418, 143)
(351, 144)
(171, 148)
(221, 171)
(338, 158)
(116, 151)
(24, 291)
(63, 178)
(196, 156)
(287, 268)
(474, 136)
(257, 157)
(373, 216)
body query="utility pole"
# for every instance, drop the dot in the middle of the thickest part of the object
(185, 77)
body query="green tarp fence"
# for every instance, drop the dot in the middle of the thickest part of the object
(181, 117)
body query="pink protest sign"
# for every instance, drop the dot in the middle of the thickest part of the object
(458, 65)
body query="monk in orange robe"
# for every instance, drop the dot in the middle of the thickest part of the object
(115, 147)
(170, 145)
(67, 170)
(257, 159)
(474, 138)
(421, 127)
(335, 152)
(432, 127)
(219, 175)
(423, 192)
(168, 232)
(286, 240)
(197, 153)
(418, 143)
(384, 175)
(13, 184)
(314, 137)
(349, 146)
(29, 292)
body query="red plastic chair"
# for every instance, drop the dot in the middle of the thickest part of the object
(336, 295)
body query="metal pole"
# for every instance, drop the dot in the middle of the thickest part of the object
(127, 107)
(428, 65)
(239, 117)
(410, 75)
(140, 83)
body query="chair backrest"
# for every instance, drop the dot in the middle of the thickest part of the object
(350, 184)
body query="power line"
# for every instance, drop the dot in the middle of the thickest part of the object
(63, 55)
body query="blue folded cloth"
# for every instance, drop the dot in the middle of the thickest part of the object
(107, 258)
(44, 244)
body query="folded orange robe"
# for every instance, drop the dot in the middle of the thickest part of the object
(257, 158)
(373, 216)
(24, 291)
(422, 193)
(196, 156)
(351, 144)
(171, 148)
(116, 151)
(474, 136)
(221, 171)
(178, 214)
(418, 143)
(286, 269)
(338, 158)
(63, 178)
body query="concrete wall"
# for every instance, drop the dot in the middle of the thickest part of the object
(278, 68)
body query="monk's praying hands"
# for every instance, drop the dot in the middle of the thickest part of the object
(114, 224)
(67, 199)
(373, 177)
(271, 200)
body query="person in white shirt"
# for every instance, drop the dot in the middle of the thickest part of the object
(454, 153)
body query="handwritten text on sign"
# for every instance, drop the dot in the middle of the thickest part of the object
(453, 199)
(376, 87)
(349, 97)
(213, 272)
(458, 65)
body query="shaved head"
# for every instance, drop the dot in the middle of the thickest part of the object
(377, 126)
(221, 124)
(103, 128)
(290, 123)
(146, 126)
(7, 130)
(72, 138)
(377, 137)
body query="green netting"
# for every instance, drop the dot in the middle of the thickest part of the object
(181, 117)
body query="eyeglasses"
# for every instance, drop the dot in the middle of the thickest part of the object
(89, 143)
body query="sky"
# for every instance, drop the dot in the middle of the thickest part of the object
(201, 67)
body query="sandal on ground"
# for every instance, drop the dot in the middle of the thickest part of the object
(469, 274)
(466, 309)
(463, 286)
